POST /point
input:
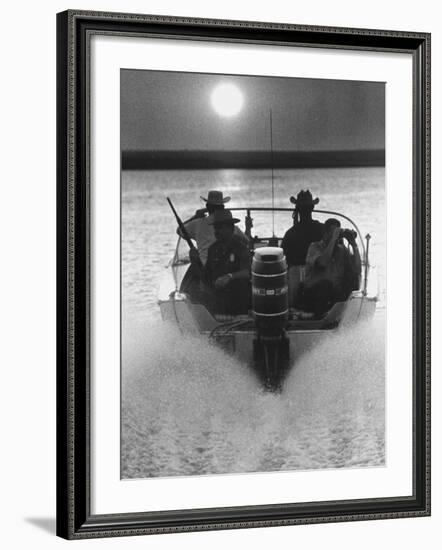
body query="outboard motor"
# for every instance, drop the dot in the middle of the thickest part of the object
(270, 309)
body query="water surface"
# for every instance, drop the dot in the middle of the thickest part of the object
(189, 409)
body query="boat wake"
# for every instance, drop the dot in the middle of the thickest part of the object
(190, 409)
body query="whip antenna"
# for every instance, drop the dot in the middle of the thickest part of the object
(273, 182)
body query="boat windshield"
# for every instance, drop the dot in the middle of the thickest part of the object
(269, 222)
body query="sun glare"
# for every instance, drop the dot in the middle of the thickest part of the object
(227, 100)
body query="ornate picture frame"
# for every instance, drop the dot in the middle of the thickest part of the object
(76, 518)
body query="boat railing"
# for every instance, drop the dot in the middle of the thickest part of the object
(249, 210)
(177, 260)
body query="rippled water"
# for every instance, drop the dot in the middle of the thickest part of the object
(190, 409)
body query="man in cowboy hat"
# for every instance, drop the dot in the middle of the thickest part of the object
(298, 238)
(199, 227)
(227, 270)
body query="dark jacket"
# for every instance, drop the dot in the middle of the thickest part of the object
(297, 240)
(223, 259)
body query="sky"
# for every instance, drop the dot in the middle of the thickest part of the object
(173, 111)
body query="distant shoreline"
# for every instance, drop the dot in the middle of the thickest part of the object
(206, 160)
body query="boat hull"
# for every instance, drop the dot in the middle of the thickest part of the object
(237, 335)
(270, 352)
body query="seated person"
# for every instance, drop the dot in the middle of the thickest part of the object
(298, 238)
(332, 272)
(227, 271)
(199, 227)
(200, 230)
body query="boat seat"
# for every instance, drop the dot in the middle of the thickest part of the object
(298, 319)
(225, 318)
(305, 320)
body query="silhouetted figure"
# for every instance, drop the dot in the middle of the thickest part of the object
(297, 240)
(226, 274)
(332, 271)
(200, 229)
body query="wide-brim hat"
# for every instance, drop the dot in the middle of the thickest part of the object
(304, 198)
(223, 216)
(216, 198)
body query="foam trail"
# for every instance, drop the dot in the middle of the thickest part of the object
(190, 409)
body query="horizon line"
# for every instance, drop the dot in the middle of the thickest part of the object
(163, 159)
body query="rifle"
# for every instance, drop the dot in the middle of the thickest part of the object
(184, 233)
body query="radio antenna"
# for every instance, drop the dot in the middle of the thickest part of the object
(273, 181)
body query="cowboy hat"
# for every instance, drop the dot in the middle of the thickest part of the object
(222, 216)
(215, 197)
(304, 198)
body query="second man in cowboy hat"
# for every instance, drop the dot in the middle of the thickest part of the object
(297, 239)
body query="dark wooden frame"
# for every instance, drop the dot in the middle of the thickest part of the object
(74, 519)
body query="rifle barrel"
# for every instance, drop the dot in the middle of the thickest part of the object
(181, 225)
(183, 231)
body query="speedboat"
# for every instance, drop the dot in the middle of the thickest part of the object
(272, 335)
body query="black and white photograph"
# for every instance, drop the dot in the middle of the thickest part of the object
(221, 265)
(253, 274)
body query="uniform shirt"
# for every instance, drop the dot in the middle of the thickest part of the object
(297, 240)
(202, 232)
(337, 271)
(224, 258)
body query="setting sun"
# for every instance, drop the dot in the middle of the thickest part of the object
(227, 100)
